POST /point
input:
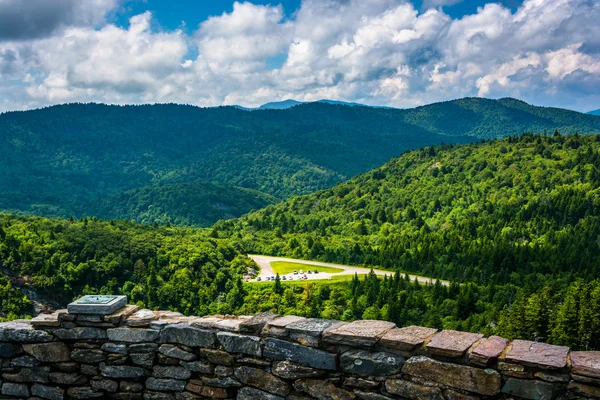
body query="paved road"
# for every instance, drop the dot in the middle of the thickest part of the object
(264, 262)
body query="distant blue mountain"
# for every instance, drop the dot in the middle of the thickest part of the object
(289, 103)
(280, 105)
(595, 112)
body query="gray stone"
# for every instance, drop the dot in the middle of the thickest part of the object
(223, 382)
(277, 326)
(92, 356)
(121, 371)
(370, 396)
(235, 343)
(67, 367)
(222, 371)
(145, 360)
(22, 332)
(248, 393)
(81, 333)
(309, 331)
(171, 372)
(531, 389)
(358, 333)
(592, 391)
(132, 335)
(48, 352)
(322, 390)
(88, 318)
(256, 324)
(104, 384)
(360, 382)
(187, 335)
(158, 396)
(15, 389)
(47, 320)
(122, 314)
(90, 370)
(66, 378)
(114, 348)
(208, 391)
(127, 386)
(290, 370)
(451, 343)
(7, 350)
(586, 363)
(142, 347)
(218, 357)
(33, 375)
(84, 392)
(199, 366)
(407, 338)
(412, 391)
(91, 305)
(535, 354)
(365, 363)
(173, 351)
(168, 385)
(25, 361)
(263, 380)
(47, 392)
(281, 350)
(141, 318)
(486, 382)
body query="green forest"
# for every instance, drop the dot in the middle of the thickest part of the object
(514, 224)
(132, 162)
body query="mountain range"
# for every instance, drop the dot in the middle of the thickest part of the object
(133, 162)
(595, 112)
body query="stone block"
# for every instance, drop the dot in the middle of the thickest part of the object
(25, 361)
(47, 392)
(7, 350)
(104, 384)
(68, 378)
(142, 347)
(277, 326)
(223, 382)
(235, 343)
(172, 372)
(15, 389)
(322, 390)
(121, 314)
(84, 393)
(158, 396)
(358, 333)
(167, 385)
(29, 375)
(132, 335)
(248, 393)
(114, 348)
(540, 355)
(22, 332)
(412, 391)
(488, 350)
(218, 357)
(140, 318)
(531, 389)
(263, 380)
(362, 395)
(366, 363)
(145, 360)
(309, 331)
(483, 381)
(202, 367)
(406, 339)
(121, 371)
(281, 350)
(360, 382)
(584, 389)
(173, 351)
(91, 356)
(256, 324)
(290, 370)
(199, 388)
(452, 344)
(47, 320)
(586, 363)
(81, 333)
(229, 325)
(187, 335)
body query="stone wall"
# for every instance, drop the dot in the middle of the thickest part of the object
(141, 354)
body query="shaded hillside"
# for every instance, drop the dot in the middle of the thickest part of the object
(190, 204)
(64, 160)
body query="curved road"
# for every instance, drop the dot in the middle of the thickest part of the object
(264, 262)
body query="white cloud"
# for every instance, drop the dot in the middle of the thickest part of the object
(373, 51)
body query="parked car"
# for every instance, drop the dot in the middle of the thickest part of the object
(316, 272)
(301, 271)
(309, 271)
(284, 278)
(295, 272)
(258, 279)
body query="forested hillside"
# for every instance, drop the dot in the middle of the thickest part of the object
(122, 161)
(517, 221)
(58, 260)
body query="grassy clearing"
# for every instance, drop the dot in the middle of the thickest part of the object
(286, 267)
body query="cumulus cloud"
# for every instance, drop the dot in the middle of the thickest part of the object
(384, 52)
(30, 19)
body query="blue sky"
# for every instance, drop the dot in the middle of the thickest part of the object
(380, 52)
